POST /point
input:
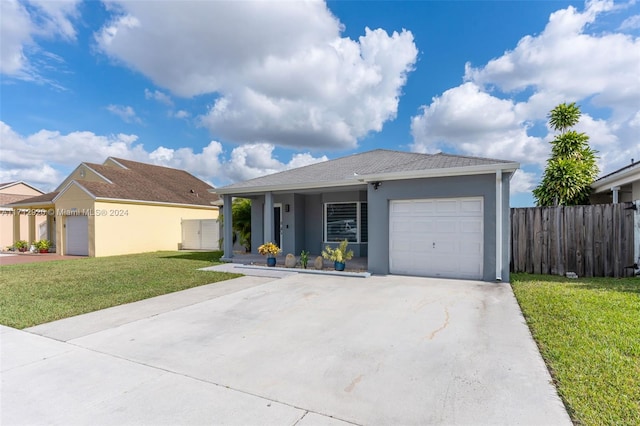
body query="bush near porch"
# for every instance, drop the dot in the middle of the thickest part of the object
(588, 331)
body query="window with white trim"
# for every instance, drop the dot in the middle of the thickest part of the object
(345, 221)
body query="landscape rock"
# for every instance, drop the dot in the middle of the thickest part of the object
(318, 263)
(290, 261)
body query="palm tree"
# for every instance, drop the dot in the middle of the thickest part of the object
(572, 166)
(564, 116)
(241, 212)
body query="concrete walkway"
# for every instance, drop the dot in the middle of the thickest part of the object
(11, 258)
(298, 350)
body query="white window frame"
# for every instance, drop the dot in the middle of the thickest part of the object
(358, 220)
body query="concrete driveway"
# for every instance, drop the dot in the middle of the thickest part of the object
(300, 350)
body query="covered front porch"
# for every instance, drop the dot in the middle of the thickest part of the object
(356, 264)
(41, 222)
(303, 220)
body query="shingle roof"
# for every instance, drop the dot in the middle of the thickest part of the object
(2, 185)
(379, 161)
(620, 170)
(144, 182)
(6, 199)
(35, 200)
(147, 182)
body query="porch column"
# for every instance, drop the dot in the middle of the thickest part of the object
(32, 228)
(16, 225)
(268, 217)
(615, 190)
(227, 229)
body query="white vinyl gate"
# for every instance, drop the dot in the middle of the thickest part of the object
(200, 234)
(77, 235)
(440, 237)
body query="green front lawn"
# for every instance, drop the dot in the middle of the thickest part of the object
(588, 331)
(36, 293)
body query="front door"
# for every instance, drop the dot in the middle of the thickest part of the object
(277, 224)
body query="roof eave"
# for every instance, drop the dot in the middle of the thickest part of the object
(289, 187)
(155, 203)
(605, 184)
(19, 204)
(442, 172)
(69, 185)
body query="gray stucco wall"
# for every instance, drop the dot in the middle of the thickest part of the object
(313, 223)
(446, 187)
(299, 222)
(257, 226)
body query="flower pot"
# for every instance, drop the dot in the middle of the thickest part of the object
(22, 249)
(339, 266)
(44, 250)
(271, 261)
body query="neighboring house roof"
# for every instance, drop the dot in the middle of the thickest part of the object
(12, 198)
(134, 181)
(622, 176)
(7, 185)
(8, 198)
(379, 164)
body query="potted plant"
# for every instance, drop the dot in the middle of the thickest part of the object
(338, 255)
(43, 246)
(270, 250)
(21, 245)
(304, 258)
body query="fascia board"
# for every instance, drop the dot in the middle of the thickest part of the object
(66, 181)
(288, 187)
(19, 205)
(606, 184)
(69, 185)
(444, 172)
(153, 203)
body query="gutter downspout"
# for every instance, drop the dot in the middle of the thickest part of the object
(498, 225)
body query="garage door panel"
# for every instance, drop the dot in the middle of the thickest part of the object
(471, 226)
(474, 249)
(437, 237)
(77, 235)
(446, 207)
(471, 207)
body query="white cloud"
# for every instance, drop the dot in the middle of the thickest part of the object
(471, 121)
(631, 23)
(522, 182)
(564, 63)
(22, 26)
(125, 112)
(280, 70)
(46, 157)
(181, 114)
(159, 96)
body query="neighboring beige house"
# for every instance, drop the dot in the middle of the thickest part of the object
(620, 186)
(122, 207)
(17, 228)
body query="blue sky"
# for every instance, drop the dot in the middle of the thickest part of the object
(234, 90)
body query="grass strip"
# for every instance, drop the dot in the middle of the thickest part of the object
(588, 331)
(36, 293)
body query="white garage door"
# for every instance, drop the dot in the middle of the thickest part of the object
(77, 235)
(436, 237)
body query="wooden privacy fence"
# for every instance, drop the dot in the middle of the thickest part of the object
(592, 241)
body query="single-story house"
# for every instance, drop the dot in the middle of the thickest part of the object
(620, 186)
(434, 215)
(16, 227)
(122, 207)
